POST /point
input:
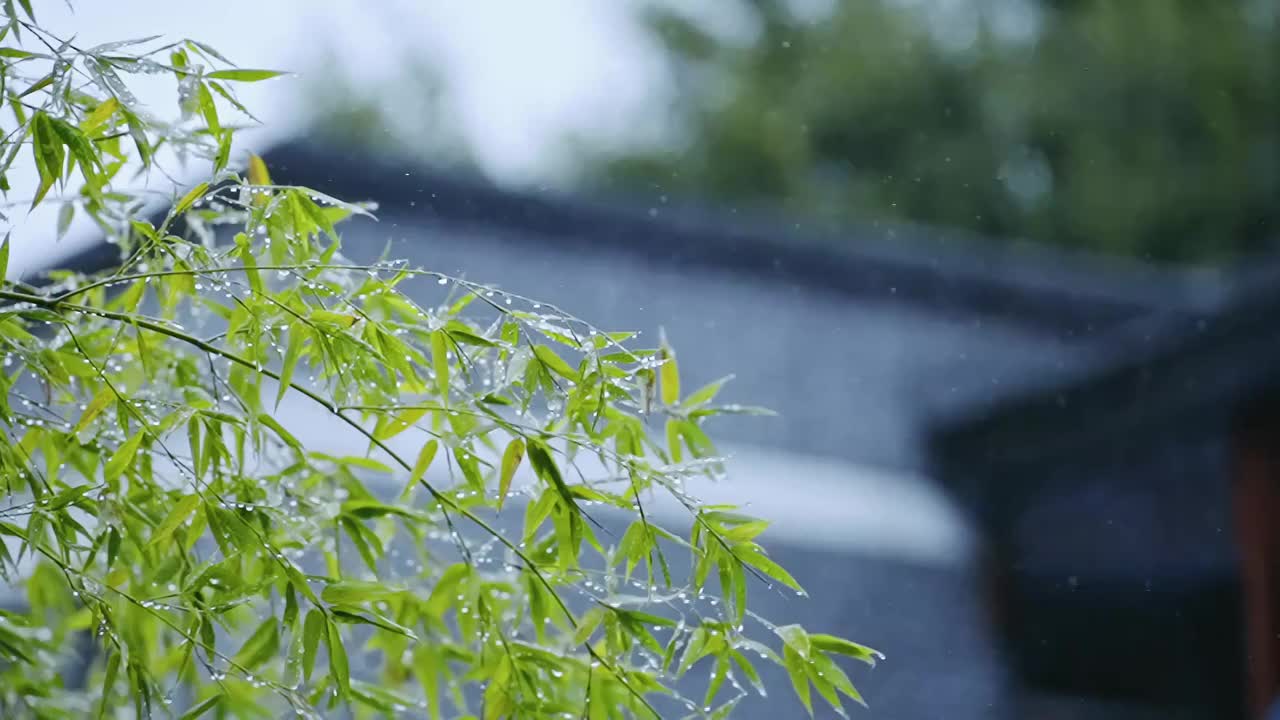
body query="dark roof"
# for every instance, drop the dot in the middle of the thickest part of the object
(1153, 378)
(940, 270)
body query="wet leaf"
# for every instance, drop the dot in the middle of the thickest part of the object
(511, 458)
(243, 75)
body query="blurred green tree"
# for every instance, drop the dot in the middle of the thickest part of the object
(1146, 128)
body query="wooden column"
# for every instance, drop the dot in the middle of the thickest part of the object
(1256, 486)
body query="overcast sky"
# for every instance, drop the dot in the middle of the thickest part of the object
(523, 75)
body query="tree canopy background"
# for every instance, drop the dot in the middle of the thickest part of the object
(1146, 128)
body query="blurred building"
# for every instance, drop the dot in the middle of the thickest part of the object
(1131, 514)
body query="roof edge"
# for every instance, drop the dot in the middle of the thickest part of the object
(1015, 282)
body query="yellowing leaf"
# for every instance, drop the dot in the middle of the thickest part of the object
(258, 174)
(94, 408)
(510, 461)
(100, 115)
(669, 376)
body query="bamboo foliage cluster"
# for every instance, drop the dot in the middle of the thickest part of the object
(168, 523)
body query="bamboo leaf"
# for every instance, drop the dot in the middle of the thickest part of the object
(339, 668)
(796, 670)
(831, 643)
(100, 115)
(258, 174)
(511, 458)
(202, 707)
(262, 645)
(312, 628)
(440, 363)
(190, 198)
(122, 457)
(425, 456)
(669, 374)
(180, 513)
(554, 362)
(243, 75)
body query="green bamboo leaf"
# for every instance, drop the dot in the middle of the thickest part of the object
(290, 616)
(122, 457)
(445, 592)
(312, 628)
(81, 149)
(180, 513)
(694, 651)
(587, 625)
(226, 95)
(138, 131)
(795, 638)
(40, 84)
(261, 646)
(208, 108)
(834, 675)
(673, 440)
(511, 458)
(753, 556)
(425, 456)
(401, 421)
(190, 198)
(647, 618)
(555, 363)
(243, 75)
(365, 616)
(831, 643)
(749, 670)
(342, 320)
(108, 683)
(202, 707)
(224, 151)
(339, 668)
(824, 687)
(545, 468)
(440, 363)
(796, 668)
(718, 674)
(298, 333)
(279, 430)
(705, 394)
(47, 149)
(354, 592)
